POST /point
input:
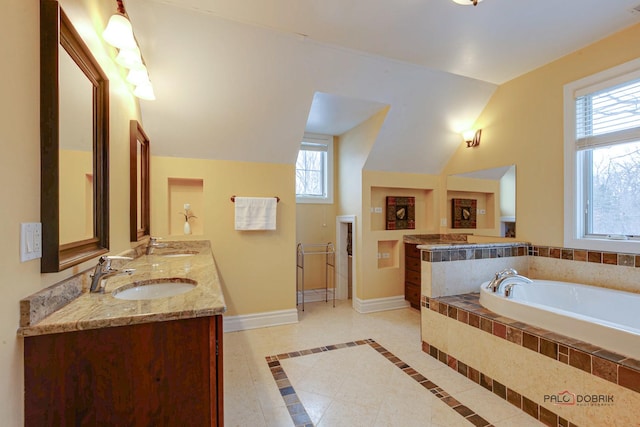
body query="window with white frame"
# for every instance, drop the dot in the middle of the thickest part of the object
(602, 160)
(314, 170)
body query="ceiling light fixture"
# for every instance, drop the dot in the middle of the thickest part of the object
(467, 2)
(119, 34)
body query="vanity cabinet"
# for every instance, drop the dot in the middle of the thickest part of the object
(166, 373)
(412, 274)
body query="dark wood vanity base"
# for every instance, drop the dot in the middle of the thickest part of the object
(154, 374)
(412, 274)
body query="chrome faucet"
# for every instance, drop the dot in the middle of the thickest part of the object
(104, 271)
(509, 288)
(153, 243)
(515, 278)
(499, 275)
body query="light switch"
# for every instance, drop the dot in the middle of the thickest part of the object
(30, 241)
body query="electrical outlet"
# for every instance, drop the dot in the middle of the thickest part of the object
(443, 222)
(30, 241)
(386, 255)
(377, 210)
(482, 211)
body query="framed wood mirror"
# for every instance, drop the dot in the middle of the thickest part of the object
(74, 145)
(139, 173)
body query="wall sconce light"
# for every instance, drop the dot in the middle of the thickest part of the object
(119, 34)
(472, 138)
(467, 2)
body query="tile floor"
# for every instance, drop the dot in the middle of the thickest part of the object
(354, 383)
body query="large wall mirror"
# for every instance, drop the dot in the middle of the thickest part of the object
(139, 154)
(495, 193)
(74, 141)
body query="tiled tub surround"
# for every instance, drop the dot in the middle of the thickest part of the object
(526, 365)
(605, 269)
(578, 311)
(459, 268)
(453, 268)
(68, 306)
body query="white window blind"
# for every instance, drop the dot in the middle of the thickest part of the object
(608, 116)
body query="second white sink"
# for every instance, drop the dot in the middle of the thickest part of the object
(161, 288)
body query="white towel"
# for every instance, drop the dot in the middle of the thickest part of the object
(256, 213)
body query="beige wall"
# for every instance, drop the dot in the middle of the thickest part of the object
(20, 170)
(382, 279)
(523, 125)
(20, 190)
(257, 268)
(76, 195)
(316, 224)
(354, 147)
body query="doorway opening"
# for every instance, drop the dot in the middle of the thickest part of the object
(346, 257)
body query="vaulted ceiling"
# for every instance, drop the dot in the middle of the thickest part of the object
(243, 79)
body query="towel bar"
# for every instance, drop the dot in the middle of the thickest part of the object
(233, 199)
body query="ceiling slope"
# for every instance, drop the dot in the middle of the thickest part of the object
(232, 91)
(495, 41)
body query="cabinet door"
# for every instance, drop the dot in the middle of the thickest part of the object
(411, 263)
(412, 294)
(411, 250)
(160, 374)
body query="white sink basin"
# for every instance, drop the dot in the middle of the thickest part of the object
(178, 254)
(162, 288)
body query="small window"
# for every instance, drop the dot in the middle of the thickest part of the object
(314, 170)
(602, 176)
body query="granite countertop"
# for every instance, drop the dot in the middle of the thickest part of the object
(453, 241)
(433, 239)
(467, 245)
(101, 310)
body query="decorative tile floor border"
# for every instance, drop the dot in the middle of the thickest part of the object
(299, 414)
(589, 358)
(520, 401)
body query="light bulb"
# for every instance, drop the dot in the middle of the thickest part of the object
(465, 2)
(468, 134)
(129, 58)
(138, 76)
(119, 33)
(145, 91)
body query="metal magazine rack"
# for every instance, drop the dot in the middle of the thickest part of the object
(326, 249)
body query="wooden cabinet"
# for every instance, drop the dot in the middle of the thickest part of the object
(166, 373)
(412, 275)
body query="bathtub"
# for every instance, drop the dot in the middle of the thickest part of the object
(602, 317)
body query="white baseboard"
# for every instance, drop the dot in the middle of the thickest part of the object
(315, 295)
(379, 304)
(259, 320)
